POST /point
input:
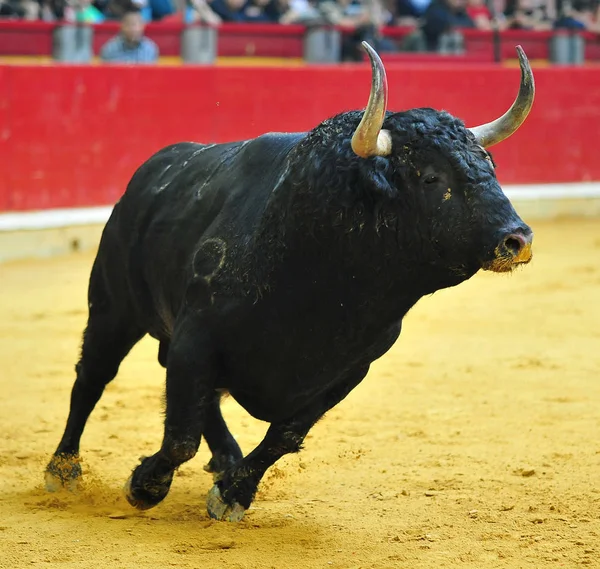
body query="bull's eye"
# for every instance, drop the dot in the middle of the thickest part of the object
(431, 179)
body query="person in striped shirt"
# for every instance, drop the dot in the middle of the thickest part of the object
(130, 46)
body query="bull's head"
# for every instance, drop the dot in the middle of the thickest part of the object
(445, 165)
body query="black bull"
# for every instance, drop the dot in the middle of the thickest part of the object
(278, 269)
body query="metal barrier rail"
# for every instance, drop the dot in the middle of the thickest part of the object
(202, 44)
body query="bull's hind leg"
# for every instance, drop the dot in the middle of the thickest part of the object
(233, 493)
(191, 374)
(224, 448)
(109, 336)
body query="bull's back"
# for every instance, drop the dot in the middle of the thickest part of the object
(180, 197)
(187, 186)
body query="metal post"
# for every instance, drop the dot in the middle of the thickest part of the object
(199, 44)
(322, 45)
(560, 48)
(72, 43)
(577, 49)
(497, 41)
(496, 38)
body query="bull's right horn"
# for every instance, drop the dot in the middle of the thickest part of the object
(369, 139)
(496, 131)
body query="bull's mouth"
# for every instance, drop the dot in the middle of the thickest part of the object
(505, 261)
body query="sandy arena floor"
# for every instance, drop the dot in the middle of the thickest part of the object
(473, 443)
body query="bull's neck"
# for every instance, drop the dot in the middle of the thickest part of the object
(340, 254)
(334, 265)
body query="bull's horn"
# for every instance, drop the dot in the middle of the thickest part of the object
(369, 139)
(496, 131)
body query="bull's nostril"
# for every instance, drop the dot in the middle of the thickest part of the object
(513, 249)
(513, 245)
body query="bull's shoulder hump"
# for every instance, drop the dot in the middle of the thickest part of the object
(280, 140)
(268, 142)
(184, 161)
(179, 149)
(270, 148)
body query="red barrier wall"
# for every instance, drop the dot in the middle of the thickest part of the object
(73, 136)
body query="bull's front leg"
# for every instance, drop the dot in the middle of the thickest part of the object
(232, 495)
(191, 375)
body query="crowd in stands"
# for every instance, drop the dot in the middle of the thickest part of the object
(482, 14)
(435, 23)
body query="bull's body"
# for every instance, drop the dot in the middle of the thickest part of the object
(287, 319)
(278, 269)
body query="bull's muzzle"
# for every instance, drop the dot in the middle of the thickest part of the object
(514, 249)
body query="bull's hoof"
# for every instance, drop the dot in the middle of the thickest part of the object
(63, 471)
(219, 510)
(147, 496)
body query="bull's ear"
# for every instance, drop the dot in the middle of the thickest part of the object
(375, 178)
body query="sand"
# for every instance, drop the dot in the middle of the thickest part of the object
(473, 443)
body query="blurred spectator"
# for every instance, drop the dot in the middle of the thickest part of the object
(268, 11)
(84, 11)
(442, 20)
(275, 11)
(91, 11)
(201, 11)
(230, 10)
(530, 14)
(296, 11)
(21, 9)
(130, 46)
(408, 12)
(578, 15)
(159, 9)
(261, 11)
(51, 10)
(480, 14)
(366, 18)
(350, 13)
(116, 9)
(595, 24)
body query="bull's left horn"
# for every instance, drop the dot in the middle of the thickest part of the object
(494, 132)
(369, 139)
